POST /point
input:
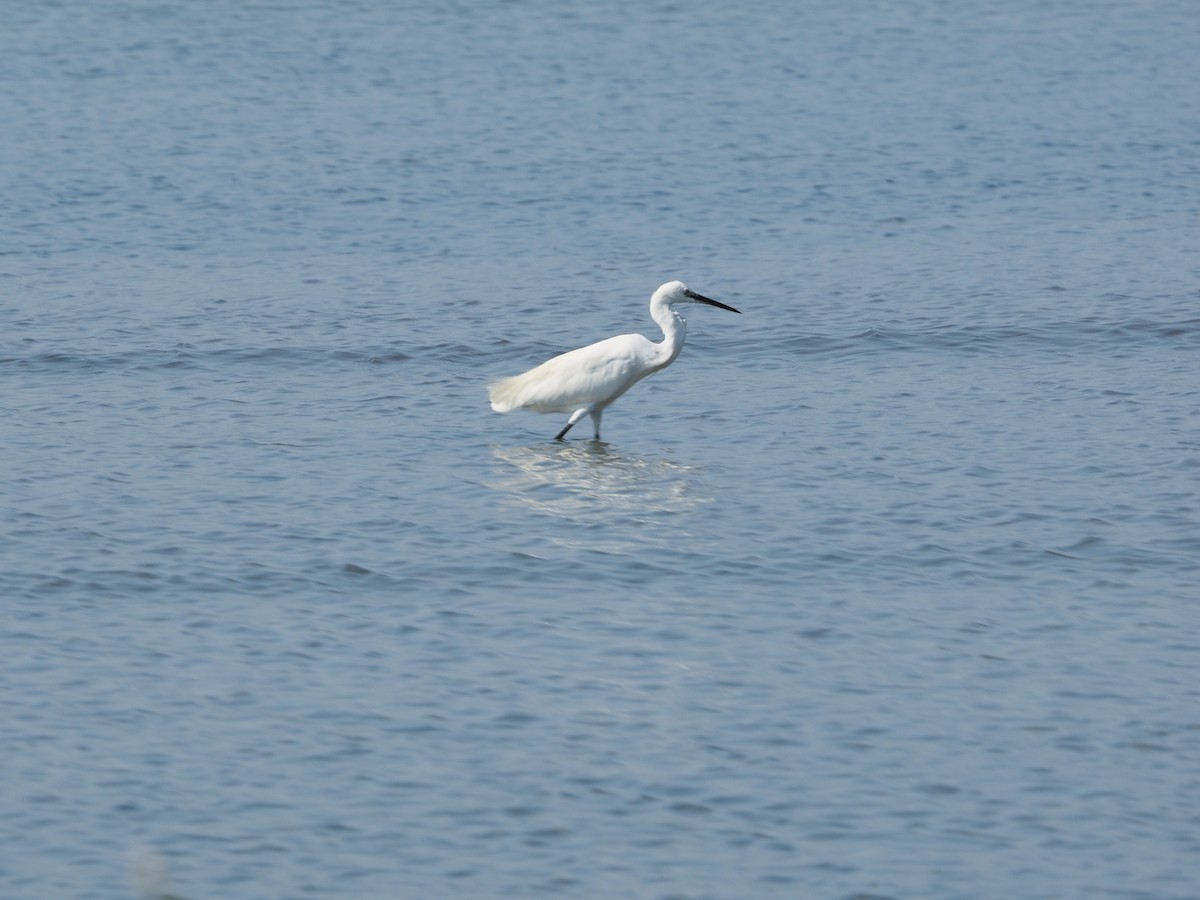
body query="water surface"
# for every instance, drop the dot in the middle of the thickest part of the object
(886, 588)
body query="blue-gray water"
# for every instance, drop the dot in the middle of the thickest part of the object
(887, 588)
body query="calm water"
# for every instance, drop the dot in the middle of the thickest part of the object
(887, 588)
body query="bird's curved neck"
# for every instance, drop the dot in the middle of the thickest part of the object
(674, 328)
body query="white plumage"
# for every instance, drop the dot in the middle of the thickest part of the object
(586, 381)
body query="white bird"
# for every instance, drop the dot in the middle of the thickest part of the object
(586, 381)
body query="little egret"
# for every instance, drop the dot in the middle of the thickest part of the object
(586, 381)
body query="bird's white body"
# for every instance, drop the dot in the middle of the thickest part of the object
(586, 381)
(595, 375)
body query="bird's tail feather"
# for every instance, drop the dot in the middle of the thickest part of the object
(503, 393)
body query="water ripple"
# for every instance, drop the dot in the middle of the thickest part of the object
(1086, 335)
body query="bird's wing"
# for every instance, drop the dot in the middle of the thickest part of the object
(600, 372)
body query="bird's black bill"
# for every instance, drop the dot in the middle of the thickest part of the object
(701, 299)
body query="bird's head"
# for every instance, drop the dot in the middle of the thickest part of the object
(674, 292)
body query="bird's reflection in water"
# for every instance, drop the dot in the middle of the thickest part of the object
(591, 484)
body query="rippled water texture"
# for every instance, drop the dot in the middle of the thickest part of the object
(886, 588)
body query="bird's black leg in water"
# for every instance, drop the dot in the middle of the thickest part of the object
(575, 417)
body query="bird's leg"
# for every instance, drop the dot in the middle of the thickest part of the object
(575, 417)
(596, 414)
